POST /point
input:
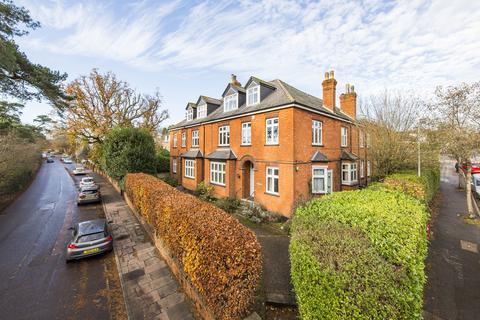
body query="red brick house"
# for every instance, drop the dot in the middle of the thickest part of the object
(271, 143)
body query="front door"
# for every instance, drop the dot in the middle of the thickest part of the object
(252, 181)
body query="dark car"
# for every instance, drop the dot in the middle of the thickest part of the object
(90, 238)
(89, 194)
(50, 160)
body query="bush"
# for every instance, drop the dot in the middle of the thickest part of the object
(423, 188)
(163, 160)
(204, 191)
(360, 254)
(127, 150)
(171, 181)
(221, 257)
(229, 205)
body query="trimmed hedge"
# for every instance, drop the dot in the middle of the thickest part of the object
(360, 254)
(221, 256)
(423, 188)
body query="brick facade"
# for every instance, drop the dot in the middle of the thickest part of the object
(292, 155)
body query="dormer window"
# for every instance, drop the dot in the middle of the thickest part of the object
(189, 114)
(202, 111)
(230, 102)
(253, 95)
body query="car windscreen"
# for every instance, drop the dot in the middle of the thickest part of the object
(89, 191)
(91, 237)
(89, 180)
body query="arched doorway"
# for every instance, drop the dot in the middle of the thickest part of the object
(248, 183)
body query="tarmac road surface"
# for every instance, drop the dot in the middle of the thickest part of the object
(35, 281)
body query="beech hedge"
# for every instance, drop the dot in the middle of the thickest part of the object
(360, 255)
(221, 257)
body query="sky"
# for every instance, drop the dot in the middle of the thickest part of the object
(189, 48)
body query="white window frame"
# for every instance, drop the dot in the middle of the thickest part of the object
(350, 171)
(246, 133)
(361, 138)
(195, 138)
(344, 136)
(230, 102)
(317, 133)
(270, 175)
(368, 142)
(202, 111)
(362, 168)
(175, 140)
(271, 124)
(253, 95)
(189, 114)
(217, 173)
(369, 168)
(189, 169)
(174, 165)
(320, 176)
(224, 135)
(184, 139)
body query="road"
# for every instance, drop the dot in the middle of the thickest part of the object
(452, 290)
(35, 281)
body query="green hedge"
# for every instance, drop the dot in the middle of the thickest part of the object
(163, 161)
(360, 255)
(423, 188)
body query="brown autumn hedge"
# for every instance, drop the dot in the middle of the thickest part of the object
(221, 256)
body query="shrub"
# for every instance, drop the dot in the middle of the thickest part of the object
(221, 257)
(163, 160)
(423, 188)
(204, 191)
(128, 150)
(171, 181)
(229, 205)
(360, 254)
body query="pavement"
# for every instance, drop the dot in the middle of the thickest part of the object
(150, 289)
(35, 281)
(453, 263)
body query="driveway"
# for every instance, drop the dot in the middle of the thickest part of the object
(35, 281)
(453, 263)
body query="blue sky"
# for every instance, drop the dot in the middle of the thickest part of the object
(190, 48)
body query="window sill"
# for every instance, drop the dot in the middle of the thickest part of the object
(272, 144)
(352, 183)
(223, 145)
(317, 145)
(246, 145)
(218, 184)
(193, 178)
(317, 193)
(272, 194)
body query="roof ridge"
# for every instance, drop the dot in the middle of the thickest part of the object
(289, 95)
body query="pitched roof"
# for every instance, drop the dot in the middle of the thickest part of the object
(319, 157)
(192, 154)
(222, 154)
(231, 85)
(282, 95)
(209, 100)
(259, 81)
(191, 104)
(347, 155)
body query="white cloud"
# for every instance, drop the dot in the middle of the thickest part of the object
(372, 43)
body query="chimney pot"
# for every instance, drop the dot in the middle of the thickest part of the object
(331, 74)
(233, 80)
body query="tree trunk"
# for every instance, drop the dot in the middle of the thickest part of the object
(468, 188)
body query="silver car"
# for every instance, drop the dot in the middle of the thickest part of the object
(89, 194)
(89, 238)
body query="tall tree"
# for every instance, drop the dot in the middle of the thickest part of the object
(103, 102)
(455, 113)
(19, 77)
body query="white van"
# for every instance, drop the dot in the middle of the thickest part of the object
(476, 185)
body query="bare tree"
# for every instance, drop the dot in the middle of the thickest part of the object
(103, 102)
(456, 113)
(391, 120)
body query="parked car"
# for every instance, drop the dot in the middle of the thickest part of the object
(476, 185)
(89, 194)
(67, 160)
(50, 160)
(475, 168)
(79, 171)
(90, 238)
(87, 182)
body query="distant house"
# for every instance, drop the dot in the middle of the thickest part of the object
(271, 143)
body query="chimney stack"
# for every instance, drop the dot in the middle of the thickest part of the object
(348, 101)
(329, 89)
(233, 80)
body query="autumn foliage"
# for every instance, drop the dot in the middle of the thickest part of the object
(221, 257)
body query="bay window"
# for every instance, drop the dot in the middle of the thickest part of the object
(217, 173)
(190, 168)
(349, 173)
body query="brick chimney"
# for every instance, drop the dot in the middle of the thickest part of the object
(348, 101)
(233, 80)
(329, 87)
